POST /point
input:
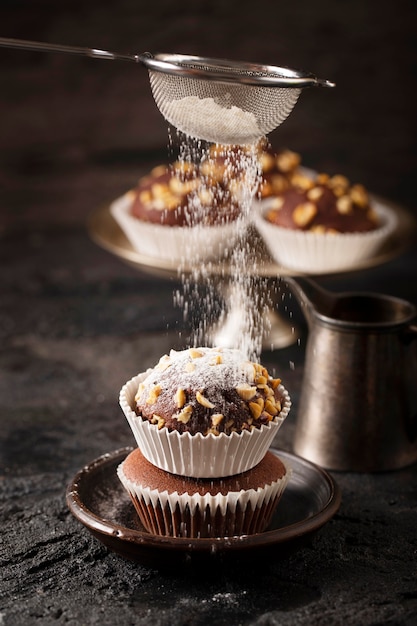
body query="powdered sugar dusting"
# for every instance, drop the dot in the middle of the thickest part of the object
(205, 119)
(201, 366)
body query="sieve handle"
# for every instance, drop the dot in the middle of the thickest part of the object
(94, 53)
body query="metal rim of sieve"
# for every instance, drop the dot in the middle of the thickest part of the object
(227, 71)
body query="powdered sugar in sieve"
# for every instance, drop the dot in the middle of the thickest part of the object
(206, 119)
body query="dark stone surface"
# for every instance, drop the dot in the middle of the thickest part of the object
(76, 322)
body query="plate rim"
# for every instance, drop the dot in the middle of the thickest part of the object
(98, 525)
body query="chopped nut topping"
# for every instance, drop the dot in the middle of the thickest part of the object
(218, 360)
(359, 196)
(315, 193)
(159, 170)
(322, 179)
(139, 391)
(344, 205)
(189, 367)
(270, 407)
(266, 189)
(195, 354)
(304, 214)
(205, 196)
(288, 160)
(216, 419)
(180, 397)
(302, 181)
(153, 394)
(279, 183)
(159, 190)
(164, 363)
(229, 423)
(185, 415)
(212, 431)
(339, 191)
(168, 201)
(266, 161)
(255, 409)
(158, 420)
(275, 382)
(145, 196)
(182, 167)
(180, 187)
(277, 203)
(338, 181)
(246, 391)
(203, 400)
(261, 380)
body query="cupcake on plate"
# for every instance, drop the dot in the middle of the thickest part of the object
(204, 419)
(322, 224)
(179, 506)
(205, 412)
(179, 212)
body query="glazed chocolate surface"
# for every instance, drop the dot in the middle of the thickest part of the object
(137, 469)
(325, 213)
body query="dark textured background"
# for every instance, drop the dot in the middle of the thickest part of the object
(76, 322)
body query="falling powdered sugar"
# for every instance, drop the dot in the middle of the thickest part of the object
(205, 119)
(208, 297)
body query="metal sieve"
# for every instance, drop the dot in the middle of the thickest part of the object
(216, 100)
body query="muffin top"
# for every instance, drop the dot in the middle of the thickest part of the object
(208, 390)
(141, 472)
(182, 195)
(323, 204)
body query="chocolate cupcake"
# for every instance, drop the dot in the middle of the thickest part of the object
(179, 212)
(322, 224)
(179, 506)
(205, 412)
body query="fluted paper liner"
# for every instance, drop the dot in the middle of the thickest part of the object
(195, 515)
(174, 243)
(306, 251)
(199, 456)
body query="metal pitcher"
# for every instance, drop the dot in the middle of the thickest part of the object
(358, 404)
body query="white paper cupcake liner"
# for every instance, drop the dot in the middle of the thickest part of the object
(199, 456)
(320, 253)
(174, 243)
(195, 515)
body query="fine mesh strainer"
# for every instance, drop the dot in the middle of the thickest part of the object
(215, 100)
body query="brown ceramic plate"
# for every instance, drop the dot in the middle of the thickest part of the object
(97, 499)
